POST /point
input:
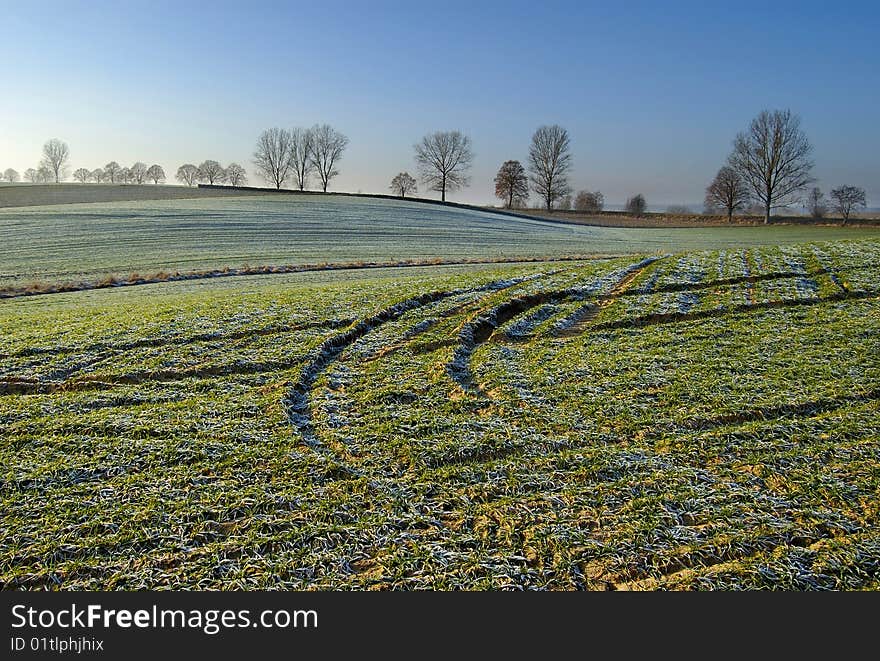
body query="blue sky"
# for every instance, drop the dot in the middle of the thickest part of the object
(652, 93)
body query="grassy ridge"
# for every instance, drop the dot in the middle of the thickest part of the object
(704, 420)
(88, 242)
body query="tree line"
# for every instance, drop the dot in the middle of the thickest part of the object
(298, 154)
(54, 167)
(770, 165)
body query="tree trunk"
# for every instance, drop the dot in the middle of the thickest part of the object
(767, 213)
(729, 215)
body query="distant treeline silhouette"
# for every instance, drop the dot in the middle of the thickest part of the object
(769, 168)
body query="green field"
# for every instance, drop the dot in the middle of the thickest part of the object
(674, 419)
(76, 242)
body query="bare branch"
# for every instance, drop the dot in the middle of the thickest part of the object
(727, 191)
(273, 155)
(236, 175)
(55, 157)
(444, 159)
(301, 155)
(589, 202)
(156, 174)
(327, 147)
(847, 199)
(773, 158)
(187, 174)
(511, 184)
(549, 163)
(403, 184)
(111, 172)
(211, 172)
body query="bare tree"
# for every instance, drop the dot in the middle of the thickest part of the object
(31, 176)
(403, 184)
(97, 175)
(549, 163)
(273, 155)
(589, 202)
(187, 174)
(44, 174)
(10, 175)
(301, 155)
(564, 203)
(511, 183)
(636, 205)
(139, 172)
(847, 199)
(327, 147)
(773, 158)
(727, 191)
(816, 203)
(211, 172)
(82, 175)
(111, 172)
(55, 157)
(156, 174)
(126, 176)
(236, 175)
(444, 159)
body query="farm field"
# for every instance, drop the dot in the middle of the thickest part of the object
(87, 242)
(676, 418)
(29, 195)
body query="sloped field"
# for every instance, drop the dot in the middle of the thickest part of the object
(89, 242)
(677, 420)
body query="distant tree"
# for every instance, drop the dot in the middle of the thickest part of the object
(302, 144)
(126, 176)
(847, 199)
(511, 183)
(55, 157)
(403, 184)
(211, 172)
(139, 173)
(589, 202)
(156, 174)
(10, 175)
(679, 210)
(111, 172)
(816, 203)
(727, 191)
(636, 205)
(82, 175)
(444, 159)
(327, 147)
(273, 155)
(187, 174)
(564, 203)
(773, 158)
(236, 175)
(44, 174)
(549, 163)
(97, 175)
(31, 176)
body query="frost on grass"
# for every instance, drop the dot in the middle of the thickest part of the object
(696, 451)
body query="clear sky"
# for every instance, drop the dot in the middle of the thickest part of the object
(652, 93)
